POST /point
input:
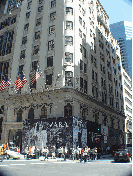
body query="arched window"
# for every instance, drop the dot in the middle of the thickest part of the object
(68, 110)
(19, 115)
(44, 112)
(31, 115)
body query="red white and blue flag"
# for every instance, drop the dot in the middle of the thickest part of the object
(20, 82)
(4, 83)
(35, 77)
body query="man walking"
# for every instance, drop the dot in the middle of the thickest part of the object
(82, 154)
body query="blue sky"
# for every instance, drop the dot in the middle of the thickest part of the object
(118, 10)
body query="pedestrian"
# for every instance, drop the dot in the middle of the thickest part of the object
(96, 153)
(93, 154)
(82, 154)
(29, 150)
(7, 147)
(4, 147)
(108, 150)
(88, 154)
(85, 154)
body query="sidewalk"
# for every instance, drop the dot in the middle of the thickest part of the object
(103, 157)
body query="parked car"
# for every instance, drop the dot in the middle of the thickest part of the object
(129, 148)
(122, 155)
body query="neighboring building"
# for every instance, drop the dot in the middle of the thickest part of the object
(80, 65)
(122, 31)
(127, 95)
(2, 7)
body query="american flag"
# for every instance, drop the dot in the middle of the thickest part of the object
(35, 77)
(20, 82)
(4, 83)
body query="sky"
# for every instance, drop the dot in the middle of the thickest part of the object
(118, 10)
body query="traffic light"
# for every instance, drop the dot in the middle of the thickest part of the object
(98, 128)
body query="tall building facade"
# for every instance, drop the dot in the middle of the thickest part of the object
(127, 96)
(70, 43)
(122, 31)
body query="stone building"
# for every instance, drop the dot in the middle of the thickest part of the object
(70, 43)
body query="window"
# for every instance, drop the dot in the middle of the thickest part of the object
(37, 35)
(81, 84)
(84, 52)
(104, 83)
(13, 20)
(80, 33)
(50, 61)
(84, 68)
(40, 9)
(49, 79)
(95, 76)
(92, 74)
(79, 7)
(27, 15)
(29, 5)
(34, 65)
(32, 86)
(81, 65)
(93, 90)
(69, 40)
(39, 21)
(85, 86)
(9, 46)
(91, 58)
(69, 11)
(101, 67)
(52, 16)
(84, 37)
(80, 20)
(84, 24)
(31, 115)
(26, 27)
(20, 69)
(52, 29)
(43, 112)
(68, 78)
(53, 3)
(36, 50)
(104, 70)
(80, 48)
(116, 83)
(51, 45)
(97, 92)
(117, 94)
(95, 62)
(22, 55)
(95, 49)
(68, 110)
(40, 1)
(24, 40)
(19, 115)
(68, 57)
(83, 12)
(101, 81)
(69, 25)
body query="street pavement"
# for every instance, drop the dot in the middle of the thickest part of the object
(59, 167)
